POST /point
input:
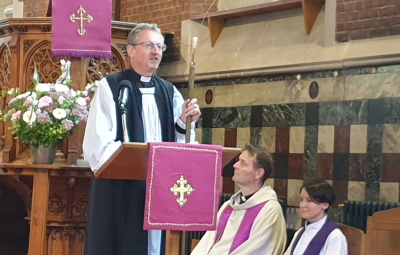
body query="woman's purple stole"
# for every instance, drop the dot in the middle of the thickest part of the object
(316, 244)
(244, 230)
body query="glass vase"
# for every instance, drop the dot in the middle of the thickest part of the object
(43, 155)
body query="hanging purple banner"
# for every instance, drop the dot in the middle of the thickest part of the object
(81, 28)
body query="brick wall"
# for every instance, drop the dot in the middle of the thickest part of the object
(35, 8)
(38, 8)
(363, 19)
(168, 14)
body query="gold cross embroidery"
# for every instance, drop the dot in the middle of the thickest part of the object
(181, 186)
(88, 18)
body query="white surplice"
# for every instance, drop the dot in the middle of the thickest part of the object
(101, 127)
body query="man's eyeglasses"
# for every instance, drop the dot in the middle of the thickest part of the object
(149, 46)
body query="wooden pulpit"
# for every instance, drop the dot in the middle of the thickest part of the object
(120, 164)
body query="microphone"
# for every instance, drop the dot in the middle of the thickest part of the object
(124, 89)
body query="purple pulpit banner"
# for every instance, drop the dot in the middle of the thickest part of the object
(81, 28)
(183, 186)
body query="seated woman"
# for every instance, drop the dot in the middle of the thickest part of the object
(320, 236)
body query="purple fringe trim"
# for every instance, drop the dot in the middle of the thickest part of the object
(81, 54)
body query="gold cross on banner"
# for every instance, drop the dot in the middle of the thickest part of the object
(88, 18)
(181, 186)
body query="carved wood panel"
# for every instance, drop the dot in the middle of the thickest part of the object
(77, 241)
(80, 202)
(65, 241)
(68, 201)
(123, 49)
(81, 207)
(98, 68)
(58, 199)
(49, 68)
(55, 242)
(28, 44)
(67, 214)
(5, 67)
(56, 205)
(5, 78)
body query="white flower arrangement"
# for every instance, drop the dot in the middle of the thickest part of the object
(48, 113)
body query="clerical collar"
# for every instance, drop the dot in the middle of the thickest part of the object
(145, 79)
(141, 81)
(138, 77)
(245, 198)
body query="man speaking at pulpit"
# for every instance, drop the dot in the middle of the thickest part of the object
(153, 111)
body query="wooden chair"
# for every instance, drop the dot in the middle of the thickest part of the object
(194, 243)
(355, 239)
(383, 233)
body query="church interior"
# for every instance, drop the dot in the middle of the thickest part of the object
(316, 82)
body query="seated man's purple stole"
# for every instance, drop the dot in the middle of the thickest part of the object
(316, 244)
(244, 230)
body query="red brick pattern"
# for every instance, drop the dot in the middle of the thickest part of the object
(168, 14)
(35, 8)
(363, 19)
(38, 8)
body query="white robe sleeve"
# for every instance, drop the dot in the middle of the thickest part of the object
(178, 102)
(101, 128)
(336, 244)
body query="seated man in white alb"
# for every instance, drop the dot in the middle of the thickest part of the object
(251, 222)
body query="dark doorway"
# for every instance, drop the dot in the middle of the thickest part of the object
(14, 229)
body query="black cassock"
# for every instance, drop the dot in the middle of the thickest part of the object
(116, 207)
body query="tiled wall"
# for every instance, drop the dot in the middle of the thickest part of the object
(349, 134)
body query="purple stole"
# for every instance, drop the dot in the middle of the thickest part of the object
(243, 232)
(316, 244)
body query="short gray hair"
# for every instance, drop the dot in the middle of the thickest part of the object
(133, 36)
